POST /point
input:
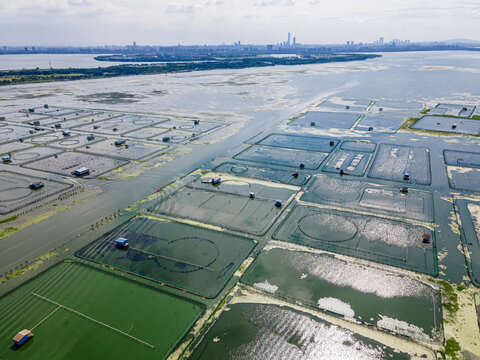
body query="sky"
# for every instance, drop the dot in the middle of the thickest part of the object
(163, 22)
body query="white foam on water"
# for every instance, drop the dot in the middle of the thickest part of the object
(266, 286)
(474, 210)
(402, 327)
(337, 306)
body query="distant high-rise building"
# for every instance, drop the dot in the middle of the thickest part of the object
(288, 41)
(134, 43)
(294, 40)
(381, 41)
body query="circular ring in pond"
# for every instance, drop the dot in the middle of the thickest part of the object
(333, 195)
(178, 137)
(44, 139)
(184, 255)
(69, 142)
(6, 131)
(14, 193)
(143, 122)
(327, 227)
(237, 169)
(238, 183)
(279, 143)
(26, 155)
(113, 121)
(186, 127)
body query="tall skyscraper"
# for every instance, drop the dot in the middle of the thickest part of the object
(288, 41)
(380, 41)
(294, 40)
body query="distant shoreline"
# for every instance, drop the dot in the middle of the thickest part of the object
(23, 76)
(288, 53)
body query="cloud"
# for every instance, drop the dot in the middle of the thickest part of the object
(161, 22)
(476, 12)
(80, 3)
(179, 9)
(214, 3)
(275, 3)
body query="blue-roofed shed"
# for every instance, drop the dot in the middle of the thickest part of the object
(22, 337)
(121, 242)
(81, 171)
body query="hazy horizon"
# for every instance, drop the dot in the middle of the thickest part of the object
(149, 22)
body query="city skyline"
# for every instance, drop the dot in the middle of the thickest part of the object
(289, 42)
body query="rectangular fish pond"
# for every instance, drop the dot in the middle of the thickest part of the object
(77, 312)
(253, 331)
(263, 173)
(381, 199)
(195, 259)
(393, 162)
(366, 237)
(282, 157)
(371, 296)
(232, 211)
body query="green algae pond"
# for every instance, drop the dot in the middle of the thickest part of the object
(77, 312)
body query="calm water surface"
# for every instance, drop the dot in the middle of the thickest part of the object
(57, 61)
